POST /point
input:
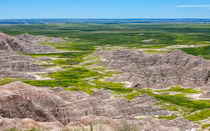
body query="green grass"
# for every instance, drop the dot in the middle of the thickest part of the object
(84, 37)
(168, 106)
(183, 90)
(203, 114)
(68, 77)
(73, 73)
(204, 126)
(73, 61)
(61, 55)
(182, 101)
(202, 51)
(183, 106)
(6, 81)
(77, 79)
(153, 51)
(132, 95)
(180, 89)
(116, 87)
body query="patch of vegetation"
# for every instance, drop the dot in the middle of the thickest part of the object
(193, 110)
(116, 87)
(204, 126)
(84, 37)
(61, 62)
(61, 55)
(90, 60)
(202, 51)
(66, 78)
(168, 106)
(170, 117)
(201, 115)
(132, 95)
(154, 51)
(77, 79)
(180, 100)
(6, 81)
(180, 89)
(183, 90)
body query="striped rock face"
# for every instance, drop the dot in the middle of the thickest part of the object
(17, 66)
(13, 65)
(22, 44)
(158, 71)
(70, 108)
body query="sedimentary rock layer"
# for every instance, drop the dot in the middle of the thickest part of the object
(158, 71)
(13, 65)
(16, 66)
(22, 44)
(38, 39)
(45, 107)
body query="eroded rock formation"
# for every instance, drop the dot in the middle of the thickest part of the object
(17, 66)
(19, 101)
(158, 71)
(38, 39)
(13, 65)
(22, 44)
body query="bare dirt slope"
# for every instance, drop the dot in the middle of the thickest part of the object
(158, 70)
(57, 109)
(13, 65)
(22, 44)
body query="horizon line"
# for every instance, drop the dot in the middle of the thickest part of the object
(96, 18)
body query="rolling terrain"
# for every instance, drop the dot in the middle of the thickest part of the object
(91, 76)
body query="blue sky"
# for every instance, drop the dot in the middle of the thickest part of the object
(10, 9)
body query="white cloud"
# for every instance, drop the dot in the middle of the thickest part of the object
(193, 6)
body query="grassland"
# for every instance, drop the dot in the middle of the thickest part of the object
(85, 37)
(180, 90)
(199, 51)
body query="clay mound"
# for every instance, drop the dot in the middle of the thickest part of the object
(19, 100)
(158, 71)
(26, 37)
(15, 86)
(13, 44)
(38, 39)
(17, 66)
(147, 123)
(26, 124)
(56, 105)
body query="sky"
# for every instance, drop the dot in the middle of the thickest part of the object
(19, 9)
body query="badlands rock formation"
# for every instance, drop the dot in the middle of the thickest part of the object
(19, 66)
(16, 66)
(13, 44)
(38, 39)
(158, 71)
(24, 106)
